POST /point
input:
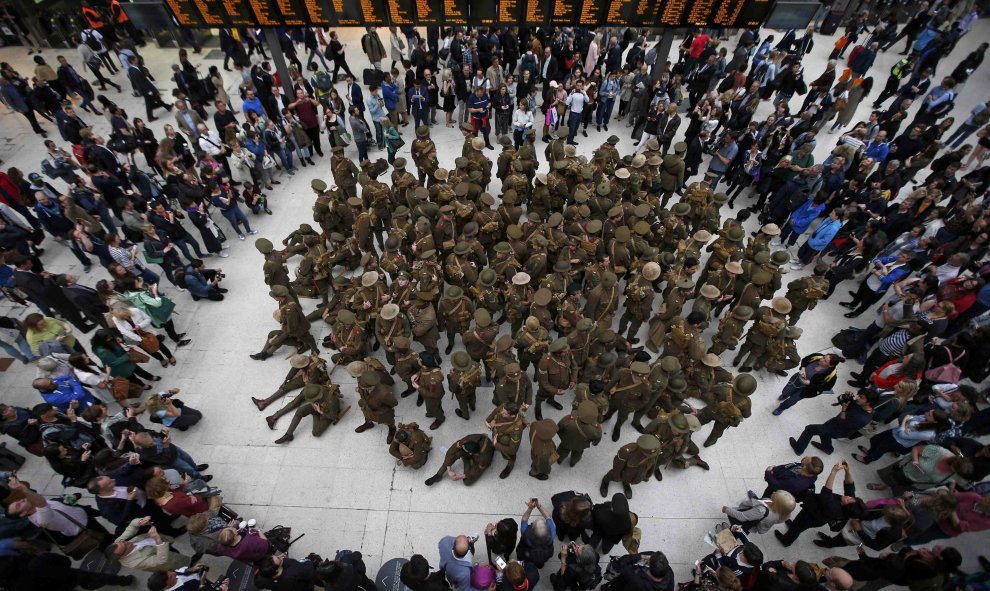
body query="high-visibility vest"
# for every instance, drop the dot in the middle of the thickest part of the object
(118, 10)
(93, 17)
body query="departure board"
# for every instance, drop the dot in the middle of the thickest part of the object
(357, 13)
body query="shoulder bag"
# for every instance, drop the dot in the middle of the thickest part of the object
(85, 541)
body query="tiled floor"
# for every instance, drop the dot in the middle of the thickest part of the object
(344, 490)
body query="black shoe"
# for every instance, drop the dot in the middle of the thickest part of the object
(603, 488)
(627, 490)
(201, 467)
(599, 127)
(433, 480)
(555, 404)
(285, 438)
(458, 412)
(183, 342)
(793, 444)
(851, 314)
(605, 126)
(821, 447)
(207, 478)
(780, 538)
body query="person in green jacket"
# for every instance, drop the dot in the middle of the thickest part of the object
(109, 350)
(158, 307)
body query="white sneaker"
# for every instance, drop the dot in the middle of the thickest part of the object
(775, 242)
(223, 254)
(241, 236)
(253, 232)
(797, 266)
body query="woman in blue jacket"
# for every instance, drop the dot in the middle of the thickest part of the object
(819, 239)
(801, 219)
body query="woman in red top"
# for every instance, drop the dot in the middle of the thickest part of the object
(962, 292)
(174, 501)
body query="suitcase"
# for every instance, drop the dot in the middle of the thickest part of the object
(373, 77)
(831, 23)
(9, 461)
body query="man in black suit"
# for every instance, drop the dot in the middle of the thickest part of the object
(355, 97)
(85, 299)
(548, 67)
(281, 573)
(147, 89)
(702, 80)
(42, 290)
(121, 504)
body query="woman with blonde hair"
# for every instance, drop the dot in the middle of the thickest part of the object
(135, 326)
(760, 515)
(170, 411)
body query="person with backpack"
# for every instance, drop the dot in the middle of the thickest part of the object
(201, 282)
(579, 568)
(978, 117)
(940, 101)
(322, 83)
(371, 43)
(645, 571)
(94, 40)
(754, 513)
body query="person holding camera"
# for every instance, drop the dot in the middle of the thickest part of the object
(883, 272)
(170, 411)
(204, 283)
(189, 578)
(576, 102)
(480, 106)
(855, 413)
(826, 507)
(816, 376)
(646, 571)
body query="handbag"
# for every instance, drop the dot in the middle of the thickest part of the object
(342, 138)
(149, 341)
(268, 162)
(949, 373)
(153, 260)
(136, 356)
(85, 541)
(121, 388)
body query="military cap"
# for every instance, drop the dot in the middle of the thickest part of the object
(392, 242)
(478, 143)
(399, 163)
(318, 185)
(503, 247)
(532, 322)
(648, 443)
(734, 267)
(337, 149)
(503, 140)
(615, 212)
(346, 316)
(355, 202)
(762, 257)
(482, 318)
(585, 324)
(681, 209)
(427, 254)
(587, 412)
(711, 360)
(503, 343)
(544, 429)
(744, 384)
(668, 258)
(609, 279)
(356, 368)
(521, 278)
(761, 277)
(441, 174)
(680, 148)
(735, 234)
(642, 210)
(793, 332)
(583, 210)
(770, 229)
(512, 368)
(448, 208)
(709, 291)
(654, 160)
(685, 284)
(670, 364)
(488, 277)
(542, 297)
(678, 422)
(420, 193)
(509, 197)
(570, 150)
(461, 162)
(607, 359)
(474, 175)
(461, 360)
(370, 278)
(558, 345)
(555, 219)
(702, 236)
(640, 368)
(534, 217)
(299, 361)
(486, 199)
(593, 226)
(641, 227)
(651, 271)
(422, 131)
(454, 292)
(622, 173)
(742, 312)
(279, 291)
(531, 132)
(389, 311)
(821, 268)
(312, 392)
(781, 305)
(677, 384)
(264, 245)
(581, 194)
(603, 188)
(622, 234)
(514, 232)
(638, 161)
(424, 296)
(462, 248)
(369, 379)
(780, 257)
(613, 139)
(720, 197)
(541, 177)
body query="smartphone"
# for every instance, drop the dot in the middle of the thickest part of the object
(499, 562)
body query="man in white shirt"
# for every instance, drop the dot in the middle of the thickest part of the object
(181, 579)
(145, 551)
(62, 522)
(210, 143)
(576, 102)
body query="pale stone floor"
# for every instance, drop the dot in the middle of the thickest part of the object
(344, 490)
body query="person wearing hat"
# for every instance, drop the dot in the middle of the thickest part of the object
(805, 292)
(633, 463)
(455, 312)
(346, 251)
(730, 406)
(345, 173)
(295, 241)
(348, 338)
(674, 431)
(390, 323)
(303, 370)
(769, 323)
(782, 354)
(474, 451)
(513, 387)
(577, 432)
(543, 450)
(406, 363)
(726, 248)
(497, 360)
(322, 402)
(489, 225)
(702, 377)
(487, 295)
(754, 292)
(684, 339)
(368, 299)
(671, 173)
(671, 308)
(730, 329)
(761, 241)
(639, 301)
(628, 392)
(533, 339)
(376, 400)
(518, 296)
(556, 373)
(709, 296)
(503, 164)
(464, 378)
(542, 300)
(393, 259)
(403, 181)
(294, 328)
(428, 382)
(274, 269)
(479, 339)
(603, 301)
(424, 153)
(507, 424)
(569, 315)
(423, 318)
(410, 446)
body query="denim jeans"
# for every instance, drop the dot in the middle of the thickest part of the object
(792, 394)
(22, 352)
(235, 215)
(604, 112)
(573, 121)
(959, 135)
(184, 245)
(379, 134)
(184, 463)
(285, 155)
(317, 53)
(362, 148)
(149, 276)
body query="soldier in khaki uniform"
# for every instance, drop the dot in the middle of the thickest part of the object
(376, 399)
(684, 339)
(461, 270)
(403, 182)
(274, 269)
(348, 338)
(539, 309)
(728, 283)
(666, 381)
(406, 364)
(518, 298)
(322, 402)
(475, 451)
(603, 301)
(633, 463)
(344, 171)
(671, 174)
(542, 449)
(505, 157)
(556, 373)
(580, 339)
(782, 353)
(294, 326)
(424, 153)
(761, 242)
(629, 392)
(513, 387)
(532, 342)
(702, 377)
(390, 324)
(429, 386)
(726, 248)
(507, 424)
(705, 303)
(499, 359)
(463, 380)
(411, 446)
(423, 318)
(305, 369)
(805, 292)
(731, 406)
(769, 323)
(730, 329)
(673, 431)
(670, 309)
(578, 431)
(487, 295)
(639, 301)
(455, 314)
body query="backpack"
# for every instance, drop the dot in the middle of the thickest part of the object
(91, 40)
(48, 169)
(945, 107)
(179, 274)
(983, 116)
(324, 81)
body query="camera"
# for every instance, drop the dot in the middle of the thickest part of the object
(221, 275)
(165, 395)
(845, 398)
(215, 585)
